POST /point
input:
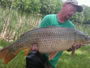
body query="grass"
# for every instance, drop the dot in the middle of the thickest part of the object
(13, 23)
(81, 59)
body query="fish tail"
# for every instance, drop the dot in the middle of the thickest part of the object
(6, 55)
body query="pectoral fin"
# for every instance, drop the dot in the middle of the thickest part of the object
(52, 55)
(27, 50)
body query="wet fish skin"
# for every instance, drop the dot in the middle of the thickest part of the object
(49, 40)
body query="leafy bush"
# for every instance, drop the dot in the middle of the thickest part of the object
(33, 6)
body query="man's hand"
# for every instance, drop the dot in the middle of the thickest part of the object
(76, 47)
(35, 47)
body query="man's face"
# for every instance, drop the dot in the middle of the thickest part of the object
(68, 10)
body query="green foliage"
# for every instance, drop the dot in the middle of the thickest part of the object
(13, 24)
(27, 5)
(83, 17)
(5, 3)
(86, 13)
(50, 6)
(33, 6)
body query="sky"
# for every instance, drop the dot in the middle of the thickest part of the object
(83, 2)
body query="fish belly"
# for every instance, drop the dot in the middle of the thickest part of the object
(52, 45)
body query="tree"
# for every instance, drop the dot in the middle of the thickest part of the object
(50, 6)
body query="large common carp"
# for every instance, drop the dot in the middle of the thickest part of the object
(49, 40)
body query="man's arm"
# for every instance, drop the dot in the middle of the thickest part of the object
(76, 47)
(45, 22)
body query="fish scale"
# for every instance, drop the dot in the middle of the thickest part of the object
(49, 40)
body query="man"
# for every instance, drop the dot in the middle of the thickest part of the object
(61, 19)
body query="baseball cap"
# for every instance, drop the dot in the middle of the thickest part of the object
(75, 3)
